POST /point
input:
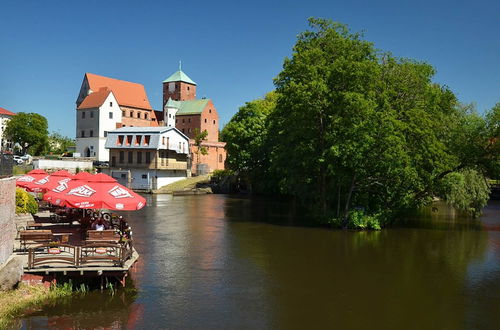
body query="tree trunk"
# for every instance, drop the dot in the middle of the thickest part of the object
(348, 201)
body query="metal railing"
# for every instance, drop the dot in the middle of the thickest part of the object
(93, 254)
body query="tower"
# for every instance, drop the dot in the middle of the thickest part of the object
(178, 87)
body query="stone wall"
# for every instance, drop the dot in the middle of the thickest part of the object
(7, 217)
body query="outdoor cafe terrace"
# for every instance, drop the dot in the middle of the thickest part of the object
(76, 231)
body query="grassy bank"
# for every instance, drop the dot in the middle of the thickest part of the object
(15, 302)
(188, 183)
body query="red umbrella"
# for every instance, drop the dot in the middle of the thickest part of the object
(30, 177)
(49, 181)
(84, 176)
(100, 192)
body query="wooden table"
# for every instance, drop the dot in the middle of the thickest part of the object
(63, 237)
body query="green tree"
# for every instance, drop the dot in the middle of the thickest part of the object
(30, 130)
(246, 138)
(199, 137)
(58, 143)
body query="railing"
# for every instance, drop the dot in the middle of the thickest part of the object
(92, 254)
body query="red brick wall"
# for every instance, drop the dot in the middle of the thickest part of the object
(215, 158)
(210, 122)
(187, 124)
(183, 91)
(7, 217)
(128, 120)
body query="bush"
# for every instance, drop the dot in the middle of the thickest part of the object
(25, 203)
(218, 175)
(357, 219)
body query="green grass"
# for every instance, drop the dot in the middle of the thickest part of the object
(185, 184)
(14, 302)
(21, 169)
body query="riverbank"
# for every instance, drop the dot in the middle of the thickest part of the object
(16, 302)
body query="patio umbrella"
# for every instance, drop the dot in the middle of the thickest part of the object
(49, 181)
(30, 177)
(99, 192)
(84, 176)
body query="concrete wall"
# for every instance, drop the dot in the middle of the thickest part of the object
(7, 217)
(69, 164)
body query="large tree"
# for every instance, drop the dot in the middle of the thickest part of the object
(30, 130)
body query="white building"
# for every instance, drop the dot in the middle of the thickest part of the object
(104, 104)
(146, 158)
(5, 116)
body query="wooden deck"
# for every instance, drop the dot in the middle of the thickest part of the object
(73, 255)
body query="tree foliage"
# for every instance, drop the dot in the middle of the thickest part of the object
(353, 127)
(30, 130)
(58, 143)
(25, 203)
(199, 137)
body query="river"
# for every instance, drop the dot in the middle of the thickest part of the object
(224, 262)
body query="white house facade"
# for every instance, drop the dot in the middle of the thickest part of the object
(146, 158)
(5, 116)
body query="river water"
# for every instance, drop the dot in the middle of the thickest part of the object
(224, 262)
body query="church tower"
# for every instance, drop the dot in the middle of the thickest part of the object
(178, 87)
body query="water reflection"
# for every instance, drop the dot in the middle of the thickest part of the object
(227, 262)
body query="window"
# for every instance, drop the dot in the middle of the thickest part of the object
(138, 114)
(122, 157)
(83, 114)
(144, 176)
(123, 175)
(180, 145)
(176, 121)
(168, 142)
(189, 120)
(148, 157)
(169, 115)
(123, 113)
(183, 120)
(220, 158)
(131, 114)
(138, 139)
(120, 140)
(163, 140)
(205, 120)
(189, 130)
(113, 161)
(145, 116)
(130, 157)
(129, 140)
(209, 110)
(110, 115)
(139, 157)
(91, 114)
(214, 122)
(83, 134)
(91, 147)
(146, 139)
(110, 104)
(188, 87)
(183, 131)
(91, 133)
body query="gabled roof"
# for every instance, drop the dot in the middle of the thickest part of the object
(127, 93)
(179, 76)
(6, 112)
(191, 107)
(96, 99)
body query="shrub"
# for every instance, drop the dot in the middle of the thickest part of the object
(218, 175)
(357, 219)
(25, 203)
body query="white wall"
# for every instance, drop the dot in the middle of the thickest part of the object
(138, 182)
(169, 116)
(67, 164)
(174, 138)
(105, 123)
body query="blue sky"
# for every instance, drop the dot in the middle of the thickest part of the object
(232, 50)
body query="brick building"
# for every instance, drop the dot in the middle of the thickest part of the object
(188, 114)
(105, 104)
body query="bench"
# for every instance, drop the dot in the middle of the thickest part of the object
(102, 236)
(29, 237)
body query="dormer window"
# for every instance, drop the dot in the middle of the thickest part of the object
(138, 139)
(129, 140)
(146, 139)
(120, 140)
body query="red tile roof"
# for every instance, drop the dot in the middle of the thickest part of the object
(126, 93)
(6, 112)
(95, 100)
